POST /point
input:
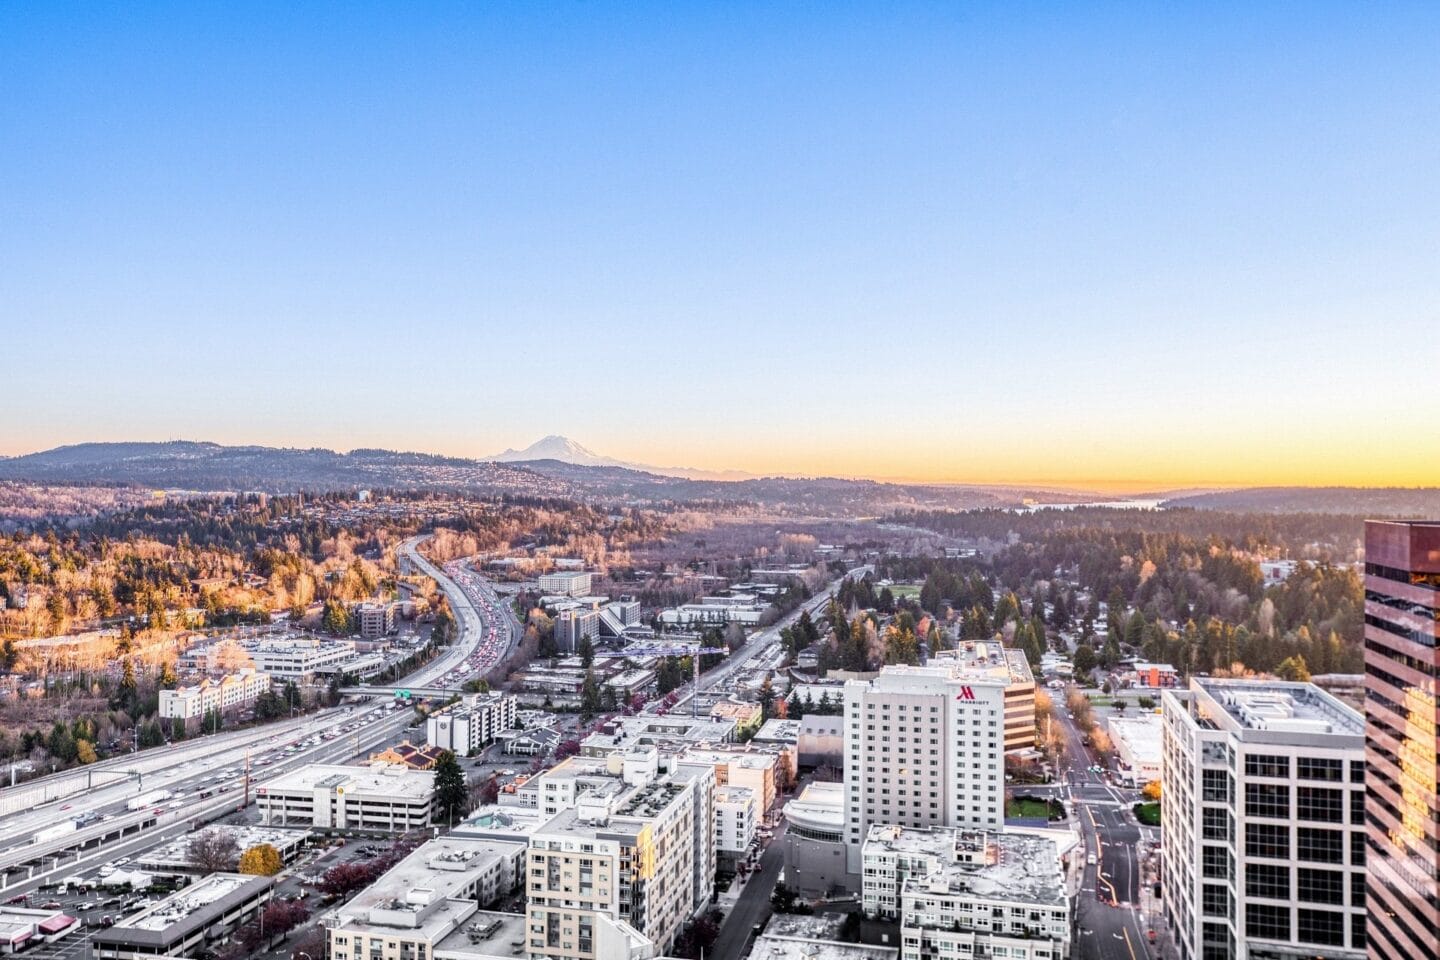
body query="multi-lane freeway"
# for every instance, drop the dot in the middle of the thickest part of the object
(209, 776)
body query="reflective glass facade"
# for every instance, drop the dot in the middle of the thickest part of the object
(1402, 597)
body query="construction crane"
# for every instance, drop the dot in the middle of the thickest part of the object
(669, 650)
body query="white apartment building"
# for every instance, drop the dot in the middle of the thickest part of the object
(925, 747)
(381, 797)
(968, 893)
(568, 583)
(299, 658)
(1263, 813)
(424, 899)
(229, 692)
(736, 814)
(474, 722)
(614, 875)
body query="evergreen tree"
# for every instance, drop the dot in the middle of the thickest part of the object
(451, 791)
(589, 697)
(767, 699)
(586, 651)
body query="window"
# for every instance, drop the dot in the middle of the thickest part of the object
(1357, 849)
(1217, 824)
(1357, 808)
(1267, 922)
(1267, 800)
(1267, 840)
(1216, 787)
(1357, 889)
(1320, 768)
(1321, 926)
(1264, 765)
(1216, 862)
(1320, 804)
(1215, 901)
(1319, 846)
(1320, 886)
(1267, 880)
(1357, 771)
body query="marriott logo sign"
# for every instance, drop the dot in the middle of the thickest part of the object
(966, 693)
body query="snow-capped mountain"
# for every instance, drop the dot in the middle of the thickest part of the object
(555, 447)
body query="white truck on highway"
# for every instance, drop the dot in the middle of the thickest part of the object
(55, 832)
(147, 800)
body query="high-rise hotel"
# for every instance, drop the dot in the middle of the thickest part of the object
(925, 745)
(1402, 576)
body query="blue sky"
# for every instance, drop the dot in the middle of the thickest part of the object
(1092, 244)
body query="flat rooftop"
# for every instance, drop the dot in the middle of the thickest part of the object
(417, 892)
(393, 781)
(181, 913)
(820, 806)
(986, 660)
(502, 822)
(1141, 736)
(781, 731)
(177, 852)
(1280, 706)
(768, 947)
(1019, 867)
(482, 935)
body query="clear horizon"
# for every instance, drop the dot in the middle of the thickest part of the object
(1088, 247)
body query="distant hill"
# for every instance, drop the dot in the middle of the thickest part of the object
(1412, 502)
(191, 465)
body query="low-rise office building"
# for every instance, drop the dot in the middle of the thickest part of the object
(747, 716)
(569, 583)
(379, 798)
(423, 899)
(299, 658)
(202, 916)
(1137, 747)
(474, 722)
(375, 619)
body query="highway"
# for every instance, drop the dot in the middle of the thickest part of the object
(213, 775)
(756, 643)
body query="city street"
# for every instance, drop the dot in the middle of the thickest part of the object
(754, 904)
(1108, 922)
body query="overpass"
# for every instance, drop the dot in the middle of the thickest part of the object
(404, 692)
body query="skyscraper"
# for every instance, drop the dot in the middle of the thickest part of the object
(1402, 575)
(1263, 815)
(925, 746)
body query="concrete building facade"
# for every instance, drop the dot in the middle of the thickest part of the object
(925, 747)
(477, 720)
(1263, 815)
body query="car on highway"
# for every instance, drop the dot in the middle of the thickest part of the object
(1090, 860)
